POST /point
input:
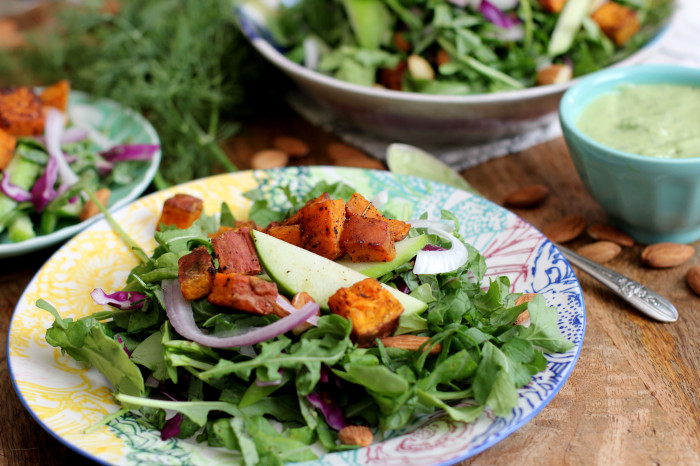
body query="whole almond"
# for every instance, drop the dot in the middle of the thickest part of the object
(693, 278)
(600, 251)
(294, 147)
(602, 232)
(410, 342)
(664, 255)
(269, 158)
(566, 229)
(342, 154)
(527, 197)
(356, 435)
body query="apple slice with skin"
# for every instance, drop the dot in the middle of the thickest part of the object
(295, 269)
(405, 251)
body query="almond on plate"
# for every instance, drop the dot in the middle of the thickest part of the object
(600, 251)
(601, 232)
(664, 255)
(527, 197)
(411, 342)
(565, 229)
(356, 435)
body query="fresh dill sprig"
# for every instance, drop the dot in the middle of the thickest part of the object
(183, 63)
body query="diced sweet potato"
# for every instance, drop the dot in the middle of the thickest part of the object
(181, 210)
(553, 6)
(56, 95)
(221, 231)
(321, 225)
(8, 143)
(373, 310)
(359, 206)
(243, 292)
(618, 22)
(21, 113)
(90, 208)
(288, 233)
(236, 252)
(368, 240)
(196, 274)
(294, 219)
(248, 223)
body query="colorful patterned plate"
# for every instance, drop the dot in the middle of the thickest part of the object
(65, 398)
(115, 124)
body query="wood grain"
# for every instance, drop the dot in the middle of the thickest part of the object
(631, 399)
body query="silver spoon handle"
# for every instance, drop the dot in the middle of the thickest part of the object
(642, 298)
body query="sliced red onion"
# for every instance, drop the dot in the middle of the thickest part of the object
(284, 304)
(123, 300)
(124, 152)
(331, 411)
(53, 130)
(43, 190)
(104, 167)
(13, 191)
(171, 428)
(179, 312)
(496, 16)
(69, 136)
(121, 342)
(447, 260)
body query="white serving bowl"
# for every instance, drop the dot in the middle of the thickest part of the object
(413, 117)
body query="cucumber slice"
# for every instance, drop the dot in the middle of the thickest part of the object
(405, 251)
(568, 24)
(21, 229)
(295, 269)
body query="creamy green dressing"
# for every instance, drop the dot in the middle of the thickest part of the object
(658, 120)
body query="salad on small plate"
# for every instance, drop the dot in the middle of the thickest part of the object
(248, 335)
(55, 144)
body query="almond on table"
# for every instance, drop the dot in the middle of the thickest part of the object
(294, 147)
(665, 255)
(527, 197)
(603, 232)
(600, 251)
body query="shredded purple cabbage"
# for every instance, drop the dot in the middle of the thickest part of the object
(329, 408)
(171, 427)
(121, 342)
(496, 16)
(124, 152)
(13, 191)
(121, 299)
(43, 190)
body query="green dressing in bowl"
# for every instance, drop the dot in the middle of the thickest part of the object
(656, 120)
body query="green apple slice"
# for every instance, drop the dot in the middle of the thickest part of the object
(295, 269)
(405, 251)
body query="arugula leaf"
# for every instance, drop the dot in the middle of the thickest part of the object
(543, 330)
(195, 410)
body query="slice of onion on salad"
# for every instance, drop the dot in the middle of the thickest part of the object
(123, 300)
(179, 312)
(13, 191)
(439, 261)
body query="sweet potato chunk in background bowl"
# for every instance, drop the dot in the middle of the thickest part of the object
(368, 240)
(373, 310)
(56, 95)
(21, 112)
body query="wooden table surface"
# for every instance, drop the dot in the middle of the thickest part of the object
(631, 399)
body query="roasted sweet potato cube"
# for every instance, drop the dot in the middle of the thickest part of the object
(553, 6)
(618, 22)
(56, 95)
(221, 231)
(294, 219)
(321, 225)
(8, 143)
(368, 240)
(359, 206)
(288, 233)
(21, 113)
(236, 252)
(196, 274)
(243, 292)
(374, 311)
(181, 210)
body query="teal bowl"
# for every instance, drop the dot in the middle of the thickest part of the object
(652, 199)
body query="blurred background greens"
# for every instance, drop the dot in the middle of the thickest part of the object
(182, 63)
